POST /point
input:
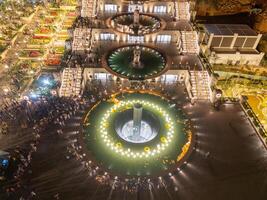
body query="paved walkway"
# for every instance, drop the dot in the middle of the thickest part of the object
(229, 162)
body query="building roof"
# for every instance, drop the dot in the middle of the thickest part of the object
(230, 29)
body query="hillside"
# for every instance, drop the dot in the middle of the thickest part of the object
(256, 8)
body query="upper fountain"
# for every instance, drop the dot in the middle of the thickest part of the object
(135, 23)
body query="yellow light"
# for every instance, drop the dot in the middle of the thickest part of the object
(117, 147)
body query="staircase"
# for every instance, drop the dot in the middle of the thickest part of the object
(87, 9)
(190, 42)
(71, 83)
(200, 84)
(182, 9)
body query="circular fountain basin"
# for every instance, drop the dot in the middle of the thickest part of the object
(120, 62)
(124, 23)
(165, 139)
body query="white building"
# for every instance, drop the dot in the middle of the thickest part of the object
(172, 33)
(232, 44)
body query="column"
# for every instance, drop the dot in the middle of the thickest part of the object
(137, 118)
(257, 41)
(233, 41)
(210, 40)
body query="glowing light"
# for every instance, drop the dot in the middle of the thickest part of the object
(6, 90)
(33, 95)
(147, 152)
(46, 82)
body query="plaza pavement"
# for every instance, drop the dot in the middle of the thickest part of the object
(229, 163)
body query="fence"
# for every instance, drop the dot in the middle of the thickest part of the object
(257, 125)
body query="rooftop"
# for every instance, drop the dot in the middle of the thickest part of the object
(230, 29)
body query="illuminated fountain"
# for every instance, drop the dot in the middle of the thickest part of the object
(137, 129)
(137, 121)
(135, 62)
(136, 58)
(135, 23)
(136, 134)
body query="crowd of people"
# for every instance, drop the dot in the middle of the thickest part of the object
(33, 118)
(30, 118)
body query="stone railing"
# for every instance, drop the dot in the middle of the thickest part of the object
(254, 120)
